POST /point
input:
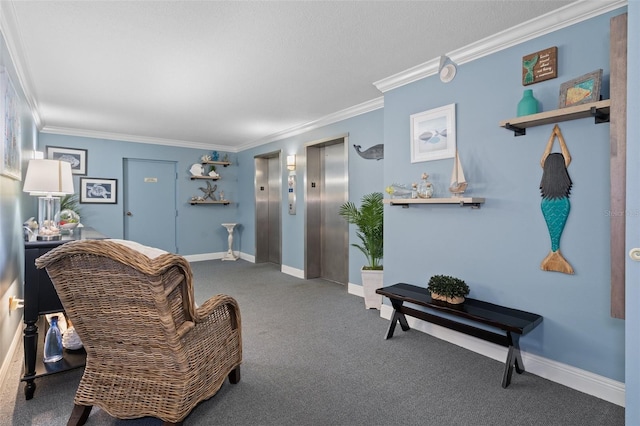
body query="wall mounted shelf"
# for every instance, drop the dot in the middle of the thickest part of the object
(217, 163)
(204, 177)
(598, 110)
(224, 202)
(473, 202)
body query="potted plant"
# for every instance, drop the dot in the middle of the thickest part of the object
(70, 202)
(448, 289)
(369, 222)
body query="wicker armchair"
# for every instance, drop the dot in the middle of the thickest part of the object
(150, 350)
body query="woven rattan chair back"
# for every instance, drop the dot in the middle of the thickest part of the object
(150, 351)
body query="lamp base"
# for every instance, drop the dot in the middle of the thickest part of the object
(49, 237)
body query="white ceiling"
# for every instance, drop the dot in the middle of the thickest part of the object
(229, 74)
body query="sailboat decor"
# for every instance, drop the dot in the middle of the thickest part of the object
(458, 182)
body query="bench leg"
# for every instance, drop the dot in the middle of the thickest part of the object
(514, 359)
(397, 317)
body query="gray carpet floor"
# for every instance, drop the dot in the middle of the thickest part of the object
(313, 355)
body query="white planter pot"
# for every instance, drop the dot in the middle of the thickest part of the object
(371, 281)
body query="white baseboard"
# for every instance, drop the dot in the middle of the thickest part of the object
(572, 377)
(248, 257)
(298, 273)
(4, 369)
(203, 257)
(357, 290)
(216, 256)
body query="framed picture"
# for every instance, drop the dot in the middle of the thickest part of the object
(98, 191)
(433, 134)
(581, 90)
(10, 153)
(76, 157)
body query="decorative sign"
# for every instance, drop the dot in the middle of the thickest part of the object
(150, 180)
(540, 66)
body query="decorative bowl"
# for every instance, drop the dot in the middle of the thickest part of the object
(68, 220)
(69, 226)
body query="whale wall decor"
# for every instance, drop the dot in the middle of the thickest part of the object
(376, 152)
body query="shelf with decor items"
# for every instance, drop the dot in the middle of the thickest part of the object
(204, 177)
(473, 202)
(198, 173)
(217, 163)
(598, 110)
(223, 202)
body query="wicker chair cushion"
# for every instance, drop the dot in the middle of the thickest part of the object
(150, 252)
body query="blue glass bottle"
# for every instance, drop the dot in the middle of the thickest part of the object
(53, 342)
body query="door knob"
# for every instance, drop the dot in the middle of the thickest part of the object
(634, 254)
(129, 214)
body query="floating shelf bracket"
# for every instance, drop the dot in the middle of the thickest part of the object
(517, 131)
(600, 115)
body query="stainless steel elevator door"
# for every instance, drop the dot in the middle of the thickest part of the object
(327, 234)
(268, 197)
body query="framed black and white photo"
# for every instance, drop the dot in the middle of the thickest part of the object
(433, 134)
(98, 191)
(76, 157)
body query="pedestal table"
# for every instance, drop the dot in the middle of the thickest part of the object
(229, 254)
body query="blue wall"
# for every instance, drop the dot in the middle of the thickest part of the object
(198, 226)
(12, 207)
(497, 250)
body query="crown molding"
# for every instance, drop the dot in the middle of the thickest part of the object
(568, 15)
(359, 109)
(11, 33)
(344, 114)
(68, 131)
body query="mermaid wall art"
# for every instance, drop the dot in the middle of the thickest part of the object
(555, 187)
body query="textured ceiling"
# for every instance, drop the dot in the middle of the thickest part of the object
(230, 74)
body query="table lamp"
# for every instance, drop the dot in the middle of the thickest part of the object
(48, 179)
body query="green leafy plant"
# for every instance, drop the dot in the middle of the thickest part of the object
(369, 221)
(70, 202)
(445, 285)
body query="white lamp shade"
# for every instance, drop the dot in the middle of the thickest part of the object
(48, 177)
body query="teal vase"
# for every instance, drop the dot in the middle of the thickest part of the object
(528, 104)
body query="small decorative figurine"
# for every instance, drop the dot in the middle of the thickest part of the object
(209, 191)
(425, 188)
(215, 156)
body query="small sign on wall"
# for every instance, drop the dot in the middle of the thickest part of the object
(150, 180)
(540, 66)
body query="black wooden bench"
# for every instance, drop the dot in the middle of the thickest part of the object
(513, 322)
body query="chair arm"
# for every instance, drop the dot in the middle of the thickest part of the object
(217, 302)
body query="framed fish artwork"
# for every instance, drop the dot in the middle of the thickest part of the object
(76, 157)
(433, 134)
(581, 90)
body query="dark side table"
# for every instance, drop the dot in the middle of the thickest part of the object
(40, 298)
